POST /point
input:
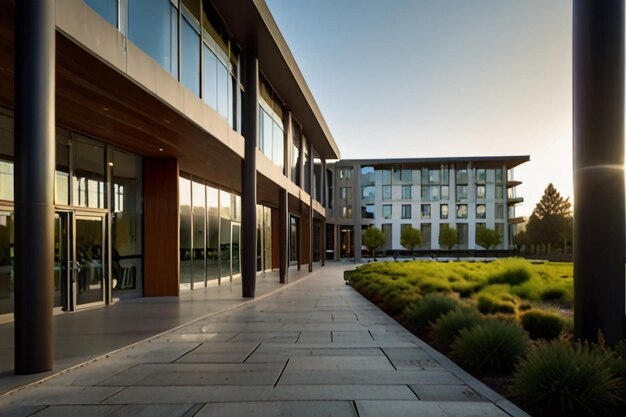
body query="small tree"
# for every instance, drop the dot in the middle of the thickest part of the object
(373, 238)
(448, 237)
(487, 238)
(410, 238)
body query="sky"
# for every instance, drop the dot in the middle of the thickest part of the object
(437, 78)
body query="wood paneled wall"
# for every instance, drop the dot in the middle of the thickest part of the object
(161, 227)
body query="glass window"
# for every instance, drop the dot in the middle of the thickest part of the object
(425, 193)
(89, 174)
(461, 192)
(499, 228)
(433, 176)
(153, 27)
(481, 176)
(126, 221)
(461, 176)
(462, 229)
(345, 173)
(425, 211)
(445, 174)
(499, 192)
(406, 175)
(386, 192)
(7, 283)
(481, 192)
(406, 192)
(346, 212)
(499, 175)
(445, 192)
(295, 154)
(345, 193)
(190, 45)
(386, 176)
(367, 211)
(213, 233)
(278, 147)
(367, 176)
(406, 211)
(223, 91)
(424, 176)
(386, 211)
(461, 211)
(305, 162)
(434, 193)
(199, 239)
(368, 193)
(443, 211)
(499, 211)
(387, 231)
(62, 170)
(185, 230)
(6, 157)
(209, 77)
(481, 211)
(105, 8)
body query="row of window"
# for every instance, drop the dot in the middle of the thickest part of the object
(428, 176)
(428, 193)
(367, 211)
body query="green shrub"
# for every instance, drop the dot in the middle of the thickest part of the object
(515, 274)
(447, 327)
(490, 347)
(489, 303)
(427, 309)
(561, 379)
(541, 324)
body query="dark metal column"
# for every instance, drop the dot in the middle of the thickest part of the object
(309, 167)
(598, 169)
(283, 236)
(324, 200)
(248, 178)
(34, 181)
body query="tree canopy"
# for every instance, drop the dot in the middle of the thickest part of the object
(487, 238)
(448, 237)
(551, 221)
(410, 238)
(373, 238)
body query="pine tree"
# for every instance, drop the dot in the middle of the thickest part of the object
(550, 223)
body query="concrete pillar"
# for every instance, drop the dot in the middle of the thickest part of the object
(283, 233)
(34, 184)
(309, 167)
(598, 169)
(248, 177)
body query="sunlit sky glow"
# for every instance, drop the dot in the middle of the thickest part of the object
(429, 78)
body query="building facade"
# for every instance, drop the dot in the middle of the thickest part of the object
(181, 139)
(427, 194)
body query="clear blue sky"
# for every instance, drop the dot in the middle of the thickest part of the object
(420, 78)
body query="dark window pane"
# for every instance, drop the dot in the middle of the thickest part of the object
(89, 174)
(105, 8)
(190, 54)
(185, 230)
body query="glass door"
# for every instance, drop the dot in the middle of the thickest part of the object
(89, 258)
(234, 245)
(63, 272)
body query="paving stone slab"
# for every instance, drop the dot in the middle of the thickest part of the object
(399, 409)
(342, 392)
(275, 337)
(368, 377)
(198, 374)
(446, 393)
(322, 327)
(280, 409)
(338, 363)
(281, 354)
(158, 410)
(47, 394)
(78, 410)
(191, 394)
(196, 337)
(19, 410)
(314, 337)
(352, 337)
(220, 352)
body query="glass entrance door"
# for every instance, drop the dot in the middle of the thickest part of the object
(78, 260)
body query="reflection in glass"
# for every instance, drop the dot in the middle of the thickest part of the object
(235, 248)
(126, 222)
(213, 233)
(89, 235)
(185, 230)
(62, 172)
(6, 157)
(7, 284)
(209, 77)
(199, 239)
(267, 232)
(190, 51)
(153, 27)
(225, 233)
(346, 241)
(89, 174)
(105, 8)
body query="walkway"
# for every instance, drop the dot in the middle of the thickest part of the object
(313, 348)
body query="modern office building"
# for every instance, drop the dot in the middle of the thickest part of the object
(171, 144)
(424, 193)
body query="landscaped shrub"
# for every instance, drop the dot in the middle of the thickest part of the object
(561, 379)
(558, 293)
(447, 327)
(490, 347)
(514, 273)
(497, 299)
(396, 299)
(541, 324)
(427, 309)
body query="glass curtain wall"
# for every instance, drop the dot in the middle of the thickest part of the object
(88, 180)
(198, 200)
(213, 234)
(190, 45)
(184, 187)
(271, 129)
(126, 222)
